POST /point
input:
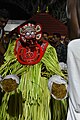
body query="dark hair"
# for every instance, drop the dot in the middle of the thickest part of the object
(4, 13)
(57, 34)
(45, 33)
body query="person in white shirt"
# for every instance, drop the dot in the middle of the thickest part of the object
(73, 59)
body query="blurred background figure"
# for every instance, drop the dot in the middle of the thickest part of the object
(66, 41)
(4, 39)
(62, 38)
(60, 48)
(45, 36)
(50, 40)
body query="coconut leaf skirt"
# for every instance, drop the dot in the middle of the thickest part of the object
(31, 100)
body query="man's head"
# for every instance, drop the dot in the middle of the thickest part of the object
(56, 37)
(4, 16)
(45, 35)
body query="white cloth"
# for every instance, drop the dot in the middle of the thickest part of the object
(63, 65)
(73, 63)
(58, 80)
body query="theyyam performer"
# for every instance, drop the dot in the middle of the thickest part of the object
(29, 63)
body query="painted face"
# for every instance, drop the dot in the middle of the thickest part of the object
(30, 32)
(27, 32)
(30, 51)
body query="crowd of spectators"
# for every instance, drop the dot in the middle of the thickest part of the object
(59, 42)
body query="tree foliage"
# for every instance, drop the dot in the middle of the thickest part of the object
(57, 8)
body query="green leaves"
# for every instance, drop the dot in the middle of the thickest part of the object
(32, 97)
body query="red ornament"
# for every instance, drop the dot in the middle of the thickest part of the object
(30, 55)
(29, 48)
